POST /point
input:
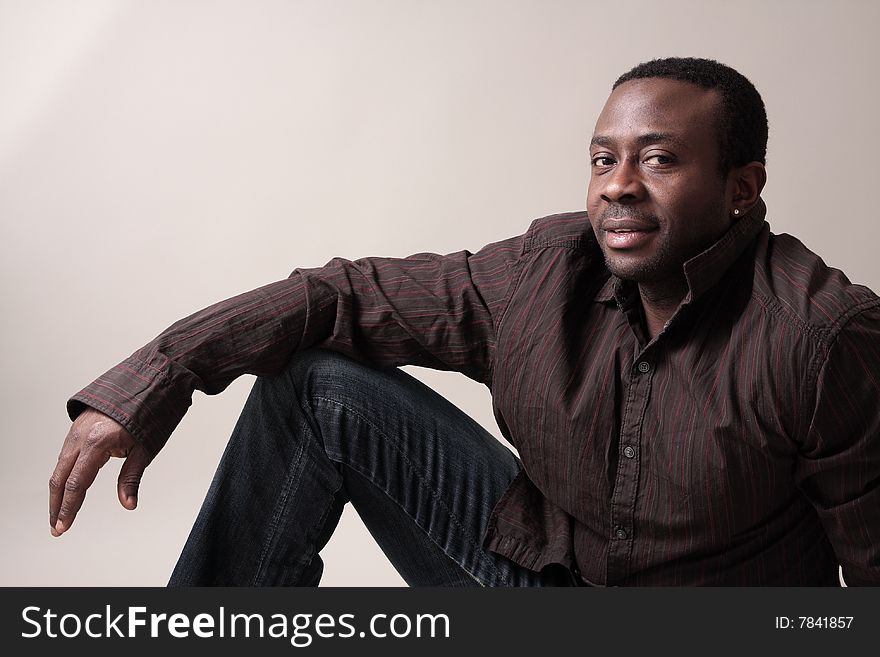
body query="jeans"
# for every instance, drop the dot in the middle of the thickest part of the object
(422, 475)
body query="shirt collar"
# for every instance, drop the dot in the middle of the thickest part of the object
(705, 269)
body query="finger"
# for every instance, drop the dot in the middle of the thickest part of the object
(81, 477)
(56, 489)
(130, 477)
(66, 460)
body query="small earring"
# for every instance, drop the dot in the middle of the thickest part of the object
(736, 211)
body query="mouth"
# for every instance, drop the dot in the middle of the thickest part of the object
(627, 234)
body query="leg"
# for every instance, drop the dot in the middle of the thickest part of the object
(422, 475)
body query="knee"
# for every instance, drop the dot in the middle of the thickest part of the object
(323, 373)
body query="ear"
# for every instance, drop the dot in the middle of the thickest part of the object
(744, 185)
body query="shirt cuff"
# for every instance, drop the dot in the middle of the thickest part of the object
(147, 394)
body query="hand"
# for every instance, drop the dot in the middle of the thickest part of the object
(93, 438)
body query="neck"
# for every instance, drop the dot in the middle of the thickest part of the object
(660, 300)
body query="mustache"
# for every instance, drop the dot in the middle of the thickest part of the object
(618, 211)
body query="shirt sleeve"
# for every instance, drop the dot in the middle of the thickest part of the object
(839, 464)
(430, 310)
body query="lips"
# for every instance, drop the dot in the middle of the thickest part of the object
(627, 233)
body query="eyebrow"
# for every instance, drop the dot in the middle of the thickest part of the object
(641, 140)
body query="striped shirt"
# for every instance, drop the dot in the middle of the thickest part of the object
(738, 447)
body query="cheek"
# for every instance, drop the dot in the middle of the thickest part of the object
(666, 192)
(594, 196)
(681, 201)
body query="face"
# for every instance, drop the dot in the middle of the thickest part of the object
(656, 197)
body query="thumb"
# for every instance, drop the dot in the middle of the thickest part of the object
(130, 477)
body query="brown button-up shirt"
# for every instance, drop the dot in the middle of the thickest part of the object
(740, 446)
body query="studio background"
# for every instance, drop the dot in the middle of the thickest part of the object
(156, 157)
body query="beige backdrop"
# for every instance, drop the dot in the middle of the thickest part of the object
(156, 157)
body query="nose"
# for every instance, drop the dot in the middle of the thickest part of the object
(622, 184)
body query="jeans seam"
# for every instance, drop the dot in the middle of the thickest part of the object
(422, 482)
(370, 480)
(277, 513)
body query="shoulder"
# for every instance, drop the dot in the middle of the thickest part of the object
(805, 314)
(795, 283)
(569, 230)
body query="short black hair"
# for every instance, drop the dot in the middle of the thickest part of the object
(742, 119)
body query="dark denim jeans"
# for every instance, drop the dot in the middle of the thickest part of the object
(422, 475)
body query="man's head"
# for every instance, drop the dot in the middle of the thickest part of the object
(677, 156)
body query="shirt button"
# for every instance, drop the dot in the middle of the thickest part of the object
(629, 452)
(644, 367)
(620, 533)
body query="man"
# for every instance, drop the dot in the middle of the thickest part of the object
(693, 399)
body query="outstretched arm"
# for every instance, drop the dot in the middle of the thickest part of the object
(430, 310)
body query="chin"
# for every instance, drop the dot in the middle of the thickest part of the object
(638, 270)
(649, 266)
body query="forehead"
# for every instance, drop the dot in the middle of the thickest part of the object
(658, 105)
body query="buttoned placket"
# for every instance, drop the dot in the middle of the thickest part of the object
(626, 481)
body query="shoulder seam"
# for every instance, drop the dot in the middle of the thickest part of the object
(834, 331)
(511, 290)
(783, 312)
(850, 314)
(572, 240)
(533, 243)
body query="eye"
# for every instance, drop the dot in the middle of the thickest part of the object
(659, 159)
(602, 161)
